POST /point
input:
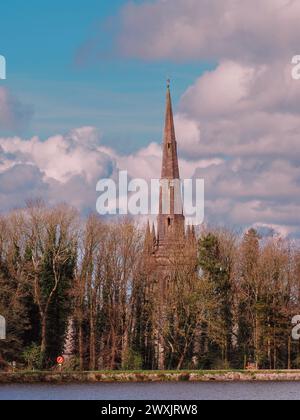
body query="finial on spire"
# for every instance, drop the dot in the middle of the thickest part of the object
(168, 83)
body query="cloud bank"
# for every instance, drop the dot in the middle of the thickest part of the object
(67, 168)
(250, 30)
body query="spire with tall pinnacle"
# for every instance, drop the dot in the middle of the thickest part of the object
(171, 248)
(170, 168)
(170, 225)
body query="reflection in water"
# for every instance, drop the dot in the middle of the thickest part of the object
(160, 391)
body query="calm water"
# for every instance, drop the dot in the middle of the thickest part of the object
(160, 391)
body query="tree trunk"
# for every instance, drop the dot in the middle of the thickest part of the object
(181, 360)
(113, 350)
(289, 353)
(256, 341)
(44, 335)
(161, 353)
(92, 345)
(275, 350)
(81, 356)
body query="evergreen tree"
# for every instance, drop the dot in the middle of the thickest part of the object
(217, 267)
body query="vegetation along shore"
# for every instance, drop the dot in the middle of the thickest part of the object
(154, 376)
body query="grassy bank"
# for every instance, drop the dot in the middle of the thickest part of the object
(147, 376)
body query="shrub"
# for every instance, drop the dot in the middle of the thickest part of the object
(33, 357)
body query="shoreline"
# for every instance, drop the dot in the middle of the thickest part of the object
(147, 377)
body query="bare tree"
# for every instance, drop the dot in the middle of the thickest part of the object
(51, 233)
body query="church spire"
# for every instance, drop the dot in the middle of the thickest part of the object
(170, 220)
(170, 168)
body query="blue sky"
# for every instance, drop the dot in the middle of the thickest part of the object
(103, 65)
(123, 98)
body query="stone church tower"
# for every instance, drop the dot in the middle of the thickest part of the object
(171, 223)
(173, 246)
(172, 235)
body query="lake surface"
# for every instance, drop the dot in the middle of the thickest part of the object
(154, 391)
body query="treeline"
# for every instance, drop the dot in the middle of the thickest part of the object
(91, 287)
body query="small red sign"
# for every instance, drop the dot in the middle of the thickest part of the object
(60, 360)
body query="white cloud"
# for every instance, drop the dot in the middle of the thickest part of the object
(255, 128)
(251, 30)
(65, 167)
(61, 157)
